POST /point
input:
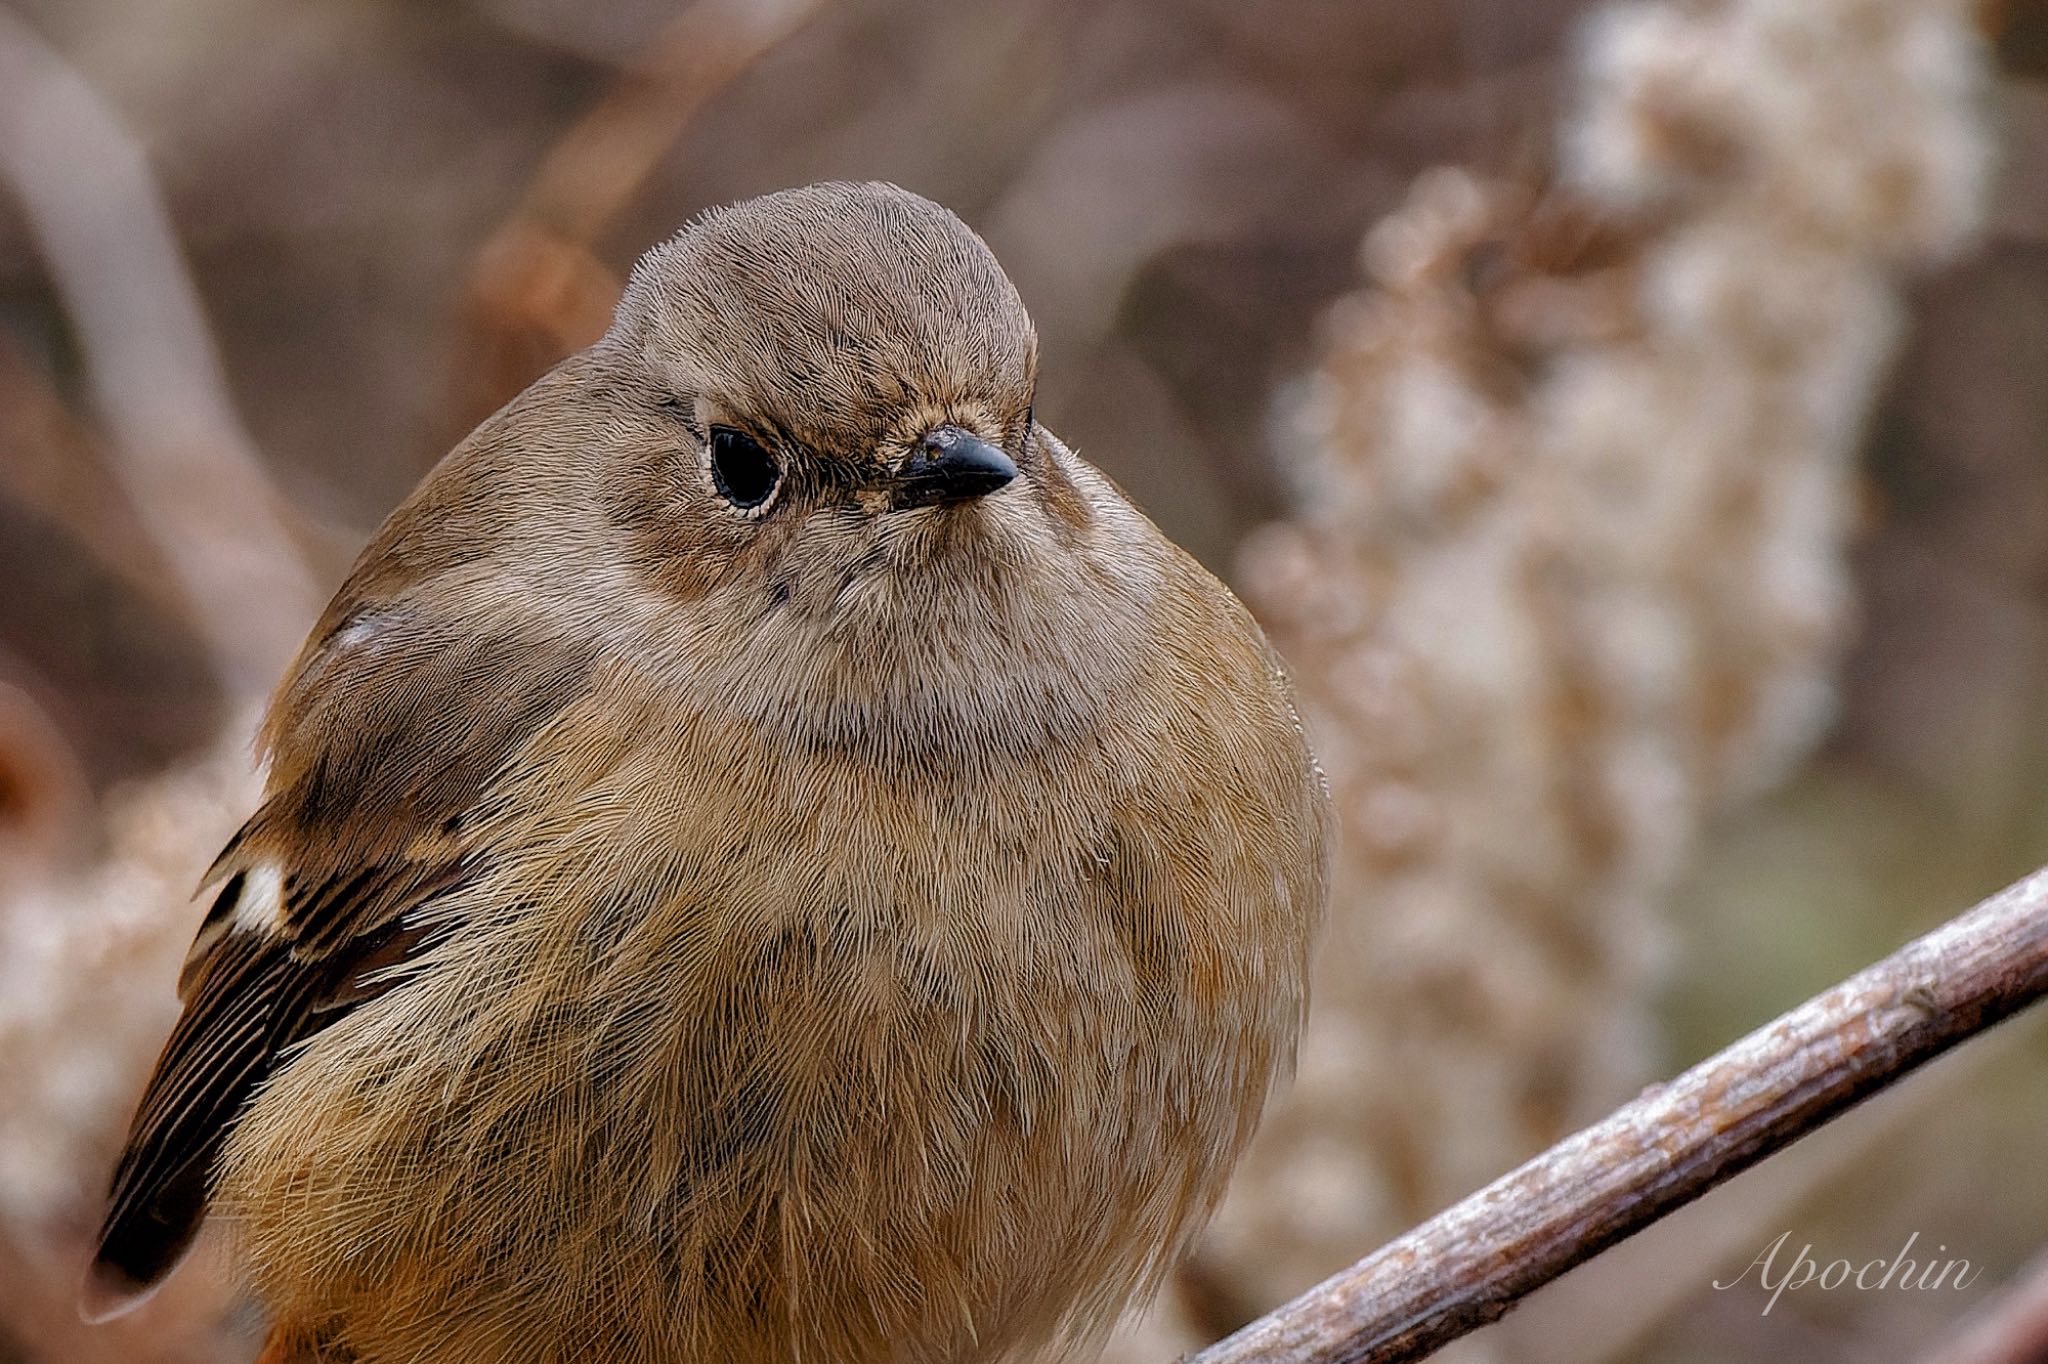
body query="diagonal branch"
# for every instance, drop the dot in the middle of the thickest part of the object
(1470, 1264)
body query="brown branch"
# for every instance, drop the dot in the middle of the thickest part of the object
(1469, 1265)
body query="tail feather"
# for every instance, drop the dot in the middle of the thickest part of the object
(140, 1244)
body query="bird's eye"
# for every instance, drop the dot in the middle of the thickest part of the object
(745, 474)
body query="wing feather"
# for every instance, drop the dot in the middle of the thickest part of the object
(377, 756)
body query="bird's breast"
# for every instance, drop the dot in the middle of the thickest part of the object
(803, 1045)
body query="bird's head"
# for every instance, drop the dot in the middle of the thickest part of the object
(820, 408)
(850, 375)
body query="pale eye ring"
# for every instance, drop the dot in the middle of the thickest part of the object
(742, 470)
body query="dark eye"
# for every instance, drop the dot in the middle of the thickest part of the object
(746, 475)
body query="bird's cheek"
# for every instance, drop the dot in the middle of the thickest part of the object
(687, 557)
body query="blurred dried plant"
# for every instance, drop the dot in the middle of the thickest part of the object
(154, 372)
(1567, 578)
(538, 290)
(88, 955)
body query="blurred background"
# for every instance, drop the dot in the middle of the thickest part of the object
(1630, 420)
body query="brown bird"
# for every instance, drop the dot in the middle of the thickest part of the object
(767, 857)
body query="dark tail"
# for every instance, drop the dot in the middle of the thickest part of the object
(141, 1243)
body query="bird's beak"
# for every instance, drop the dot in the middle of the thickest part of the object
(950, 465)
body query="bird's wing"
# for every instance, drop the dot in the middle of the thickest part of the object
(382, 743)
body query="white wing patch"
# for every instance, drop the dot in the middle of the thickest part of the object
(260, 906)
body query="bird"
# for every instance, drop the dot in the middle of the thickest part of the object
(767, 856)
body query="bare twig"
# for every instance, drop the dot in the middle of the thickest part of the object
(1605, 1310)
(1469, 1265)
(191, 468)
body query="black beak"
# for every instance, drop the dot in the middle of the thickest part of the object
(949, 465)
